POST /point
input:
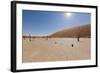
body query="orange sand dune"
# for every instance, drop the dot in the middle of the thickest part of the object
(80, 31)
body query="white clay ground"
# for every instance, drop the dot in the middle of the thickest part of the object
(55, 49)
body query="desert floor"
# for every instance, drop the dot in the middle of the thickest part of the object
(55, 49)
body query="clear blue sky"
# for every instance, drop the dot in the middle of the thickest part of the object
(42, 23)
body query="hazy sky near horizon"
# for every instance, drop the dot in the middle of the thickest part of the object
(43, 23)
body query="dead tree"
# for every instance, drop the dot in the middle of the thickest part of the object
(24, 37)
(29, 37)
(79, 35)
(78, 38)
(47, 37)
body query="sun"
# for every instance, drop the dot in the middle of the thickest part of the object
(68, 14)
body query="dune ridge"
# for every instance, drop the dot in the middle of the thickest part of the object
(79, 31)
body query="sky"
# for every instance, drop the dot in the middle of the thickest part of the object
(44, 23)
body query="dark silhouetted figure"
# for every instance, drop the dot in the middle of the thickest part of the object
(78, 38)
(72, 45)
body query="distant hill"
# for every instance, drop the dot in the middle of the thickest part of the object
(79, 31)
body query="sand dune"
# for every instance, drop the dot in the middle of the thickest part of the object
(81, 31)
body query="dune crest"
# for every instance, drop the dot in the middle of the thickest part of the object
(79, 31)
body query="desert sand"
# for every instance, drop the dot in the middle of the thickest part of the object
(55, 49)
